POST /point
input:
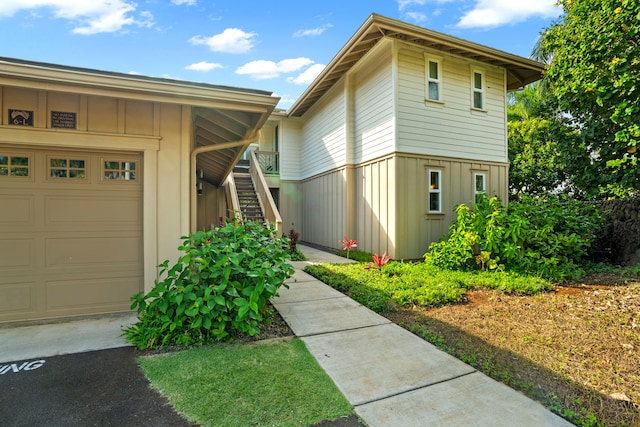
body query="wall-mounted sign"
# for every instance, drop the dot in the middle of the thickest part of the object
(61, 119)
(21, 117)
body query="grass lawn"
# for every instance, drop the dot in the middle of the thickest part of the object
(273, 383)
(575, 348)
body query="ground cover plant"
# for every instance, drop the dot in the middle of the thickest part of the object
(270, 383)
(574, 347)
(219, 288)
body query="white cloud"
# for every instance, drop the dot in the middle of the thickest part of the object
(403, 4)
(92, 16)
(312, 32)
(493, 13)
(268, 69)
(203, 66)
(231, 40)
(187, 2)
(416, 16)
(308, 75)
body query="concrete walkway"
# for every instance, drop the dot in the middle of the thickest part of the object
(392, 377)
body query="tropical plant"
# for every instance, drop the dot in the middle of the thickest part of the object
(348, 244)
(379, 261)
(594, 80)
(217, 289)
(546, 236)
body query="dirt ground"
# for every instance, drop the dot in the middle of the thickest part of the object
(576, 350)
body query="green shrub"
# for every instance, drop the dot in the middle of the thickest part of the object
(219, 288)
(546, 236)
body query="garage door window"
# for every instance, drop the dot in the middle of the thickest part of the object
(120, 170)
(67, 168)
(18, 166)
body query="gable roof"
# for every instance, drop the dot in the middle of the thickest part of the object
(520, 71)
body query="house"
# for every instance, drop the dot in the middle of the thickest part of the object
(101, 173)
(403, 125)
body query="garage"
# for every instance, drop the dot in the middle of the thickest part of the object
(71, 234)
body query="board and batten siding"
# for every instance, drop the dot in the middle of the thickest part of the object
(324, 135)
(375, 199)
(450, 128)
(373, 106)
(415, 228)
(324, 208)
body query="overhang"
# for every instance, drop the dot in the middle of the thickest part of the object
(520, 71)
(220, 114)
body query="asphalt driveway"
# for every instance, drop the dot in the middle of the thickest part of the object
(96, 388)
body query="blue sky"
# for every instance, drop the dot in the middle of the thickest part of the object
(279, 46)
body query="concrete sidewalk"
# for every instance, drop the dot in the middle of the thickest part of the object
(392, 377)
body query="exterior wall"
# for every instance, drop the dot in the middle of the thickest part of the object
(212, 205)
(373, 106)
(324, 205)
(415, 228)
(376, 206)
(324, 134)
(161, 132)
(290, 206)
(290, 150)
(450, 128)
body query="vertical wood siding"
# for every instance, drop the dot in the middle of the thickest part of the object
(415, 228)
(451, 128)
(323, 209)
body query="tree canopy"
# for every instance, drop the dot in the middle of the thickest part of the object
(593, 80)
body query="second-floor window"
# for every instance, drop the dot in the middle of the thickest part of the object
(434, 79)
(478, 89)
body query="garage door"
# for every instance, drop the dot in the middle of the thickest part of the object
(70, 233)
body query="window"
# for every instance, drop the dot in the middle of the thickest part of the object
(67, 168)
(434, 79)
(14, 166)
(119, 170)
(435, 191)
(479, 182)
(478, 90)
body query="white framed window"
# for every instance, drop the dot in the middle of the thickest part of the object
(477, 86)
(435, 191)
(433, 67)
(479, 184)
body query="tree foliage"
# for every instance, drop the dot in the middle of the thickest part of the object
(594, 79)
(535, 135)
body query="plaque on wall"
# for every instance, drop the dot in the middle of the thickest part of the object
(61, 119)
(21, 117)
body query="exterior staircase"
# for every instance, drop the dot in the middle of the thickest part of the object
(247, 196)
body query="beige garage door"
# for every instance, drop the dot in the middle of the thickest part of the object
(70, 233)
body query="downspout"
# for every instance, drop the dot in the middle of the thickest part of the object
(194, 179)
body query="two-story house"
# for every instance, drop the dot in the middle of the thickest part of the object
(403, 125)
(101, 173)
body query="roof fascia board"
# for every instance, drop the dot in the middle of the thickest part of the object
(106, 85)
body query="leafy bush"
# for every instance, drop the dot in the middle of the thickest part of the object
(219, 288)
(294, 252)
(546, 236)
